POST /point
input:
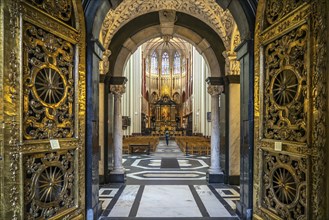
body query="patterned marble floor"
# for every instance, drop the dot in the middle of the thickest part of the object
(168, 185)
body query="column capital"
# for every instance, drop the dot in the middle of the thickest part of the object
(117, 89)
(215, 90)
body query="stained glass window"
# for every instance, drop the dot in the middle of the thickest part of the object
(154, 63)
(147, 65)
(183, 65)
(177, 63)
(165, 63)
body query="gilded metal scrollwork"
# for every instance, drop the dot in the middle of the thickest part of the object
(61, 9)
(285, 116)
(284, 190)
(43, 96)
(319, 107)
(276, 9)
(291, 72)
(48, 85)
(49, 183)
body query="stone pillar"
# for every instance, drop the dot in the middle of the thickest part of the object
(215, 174)
(118, 172)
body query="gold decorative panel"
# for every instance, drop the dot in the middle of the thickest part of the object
(43, 79)
(49, 183)
(277, 9)
(285, 86)
(48, 85)
(290, 109)
(284, 187)
(60, 9)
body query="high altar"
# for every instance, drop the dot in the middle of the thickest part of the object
(165, 115)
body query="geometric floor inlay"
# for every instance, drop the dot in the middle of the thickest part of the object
(162, 188)
(230, 195)
(167, 175)
(185, 164)
(106, 195)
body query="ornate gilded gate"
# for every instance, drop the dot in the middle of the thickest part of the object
(290, 100)
(42, 102)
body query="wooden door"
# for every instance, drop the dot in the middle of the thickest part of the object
(290, 112)
(42, 102)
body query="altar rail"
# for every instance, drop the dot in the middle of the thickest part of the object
(171, 133)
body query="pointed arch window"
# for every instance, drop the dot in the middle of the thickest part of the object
(147, 65)
(154, 63)
(177, 63)
(165, 63)
(184, 65)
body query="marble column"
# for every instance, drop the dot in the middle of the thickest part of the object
(117, 174)
(215, 174)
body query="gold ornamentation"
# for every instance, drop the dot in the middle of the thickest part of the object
(303, 62)
(12, 117)
(295, 19)
(17, 62)
(61, 9)
(285, 86)
(49, 183)
(319, 107)
(49, 85)
(43, 21)
(277, 9)
(232, 65)
(284, 185)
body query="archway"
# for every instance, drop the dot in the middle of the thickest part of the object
(94, 26)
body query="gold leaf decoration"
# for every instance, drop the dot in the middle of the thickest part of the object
(60, 9)
(49, 183)
(48, 85)
(285, 85)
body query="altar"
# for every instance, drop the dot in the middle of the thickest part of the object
(165, 116)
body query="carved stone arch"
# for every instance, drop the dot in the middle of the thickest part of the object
(201, 44)
(210, 12)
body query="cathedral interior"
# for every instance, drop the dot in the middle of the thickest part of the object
(146, 109)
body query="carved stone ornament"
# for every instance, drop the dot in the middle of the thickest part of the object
(221, 21)
(215, 90)
(118, 90)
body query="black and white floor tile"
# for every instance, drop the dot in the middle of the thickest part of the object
(167, 184)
